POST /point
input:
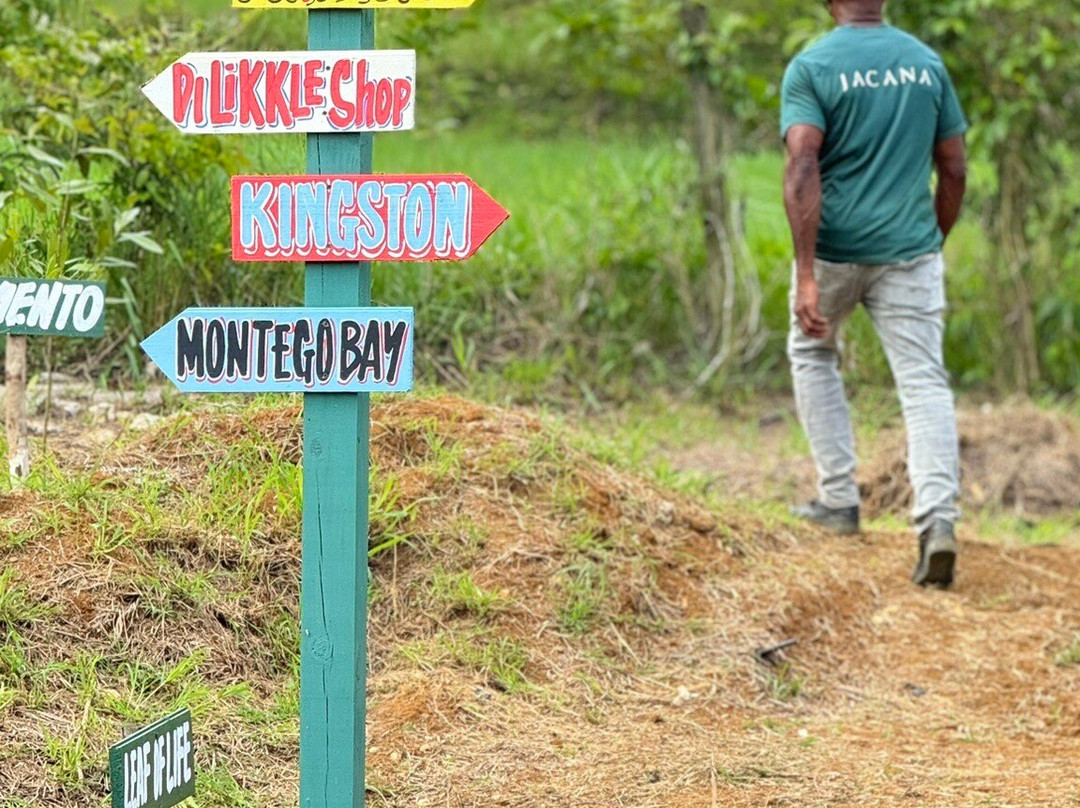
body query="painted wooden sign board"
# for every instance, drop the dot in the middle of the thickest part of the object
(52, 308)
(372, 217)
(331, 4)
(154, 767)
(286, 350)
(288, 91)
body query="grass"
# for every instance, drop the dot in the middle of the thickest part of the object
(1050, 530)
(200, 8)
(500, 660)
(389, 515)
(458, 592)
(784, 684)
(18, 607)
(581, 595)
(1069, 655)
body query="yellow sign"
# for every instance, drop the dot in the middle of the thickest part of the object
(351, 3)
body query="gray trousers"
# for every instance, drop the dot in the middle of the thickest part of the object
(906, 303)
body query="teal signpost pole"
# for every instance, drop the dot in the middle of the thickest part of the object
(334, 583)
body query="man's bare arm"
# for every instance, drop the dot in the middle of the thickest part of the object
(802, 201)
(951, 162)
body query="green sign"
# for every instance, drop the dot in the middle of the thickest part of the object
(155, 767)
(56, 308)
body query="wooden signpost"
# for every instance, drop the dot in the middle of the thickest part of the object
(356, 4)
(340, 217)
(378, 217)
(286, 350)
(155, 767)
(288, 91)
(37, 307)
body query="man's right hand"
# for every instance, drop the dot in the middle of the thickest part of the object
(806, 309)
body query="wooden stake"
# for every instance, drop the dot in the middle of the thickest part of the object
(15, 407)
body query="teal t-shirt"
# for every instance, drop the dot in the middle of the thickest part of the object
(883, 100)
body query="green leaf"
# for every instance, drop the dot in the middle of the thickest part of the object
(44, 157)
(125, 219)
(75, 187)
(104, 152)
(143, 241)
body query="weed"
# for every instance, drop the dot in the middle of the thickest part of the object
(283, 635)
(501, 660)
(13, 666)
(530, 378)
(284, 481)
(229, 505)
(109, 533)
(444, 454)
(389, 517)
(591, 540)
(1050, 530)
(783, 684)
(66, 757)
(17, 607)
(472, 534)
(460, 593)
(168, 588)
(144, 682)
(11, 536)
(569, 494)
(287, 699)
(583, 592)
(1069, 655)
(217, 787)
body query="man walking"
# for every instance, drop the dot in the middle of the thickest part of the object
(866, 113)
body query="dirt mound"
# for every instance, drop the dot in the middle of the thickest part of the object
(546, 629)
(1016, 458)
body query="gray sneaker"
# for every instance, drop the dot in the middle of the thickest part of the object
(937, 555)
(838, 520)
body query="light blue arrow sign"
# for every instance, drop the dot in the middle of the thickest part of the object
(295, 350)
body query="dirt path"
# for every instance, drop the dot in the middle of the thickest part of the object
(893, 695)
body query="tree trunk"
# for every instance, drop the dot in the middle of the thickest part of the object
(1015, 253)
(15, 400)
(710, 150)
(724, 329)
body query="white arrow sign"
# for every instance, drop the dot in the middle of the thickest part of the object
(288, 91)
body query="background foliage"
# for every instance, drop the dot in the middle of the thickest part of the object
(640, 252)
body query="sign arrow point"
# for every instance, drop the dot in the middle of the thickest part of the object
(489, 215)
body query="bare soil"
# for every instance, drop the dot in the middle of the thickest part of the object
(1016, 459)
(891, 695)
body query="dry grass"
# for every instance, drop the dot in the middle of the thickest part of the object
(594, 645)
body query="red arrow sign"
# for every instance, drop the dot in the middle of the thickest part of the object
(377, 217)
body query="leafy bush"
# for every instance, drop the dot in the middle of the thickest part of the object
(97, 182)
